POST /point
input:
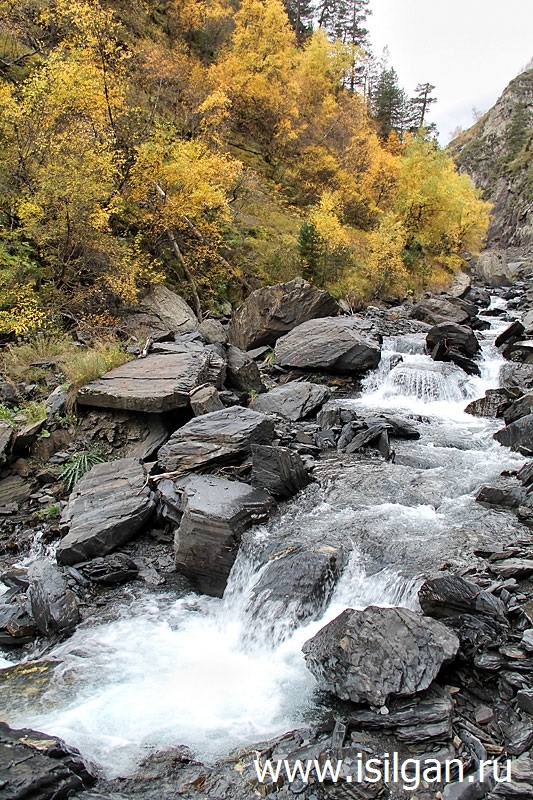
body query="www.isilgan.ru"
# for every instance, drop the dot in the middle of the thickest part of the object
(410, 772)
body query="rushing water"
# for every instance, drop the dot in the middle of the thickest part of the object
(185, 671)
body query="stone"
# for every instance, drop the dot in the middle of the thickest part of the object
(37, 766)
(111, 570)
(518, 435)
(333, 344)
(492, 404)
(53, 606)
(215, 439)
(296, 585)
(272, 311)
(294, 400)
(6, 433)
(16, 625)
(160, 311)
(367, 656)
(514, 331)
(452, 595)
(160, 382)
(216, 512)
(510, 567)
(524, 700)
(25, 436)
(204, 400)
(14, 489)
(525, 474)
(452, 335)
(213, 331)
(480, 297)
(369, 437)
(108, 506)
(242, 371)
(519, 408)
(527, 640)
(461, 285)
(491, 268)
(516, 376)
(508, 497)
(55, 402)
(397, 427)
(437, 310)
(279, 470)
(483, 715)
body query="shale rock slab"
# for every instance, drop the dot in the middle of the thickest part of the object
(367, 656)
(279, 470)
(215, 439)
(216, 512)
(273, 311)
(294, 400)
(333, 344)
(53, 606)
(108, 506)
(518, 435)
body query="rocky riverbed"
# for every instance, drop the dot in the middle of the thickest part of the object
(309, 551)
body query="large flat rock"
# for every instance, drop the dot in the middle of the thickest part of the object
(334, 344)
(272, 311)
(216, 512)
(367, 656)
(160, 382)
(215, 439)
(108, 506)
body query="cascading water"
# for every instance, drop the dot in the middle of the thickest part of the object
(187, 671)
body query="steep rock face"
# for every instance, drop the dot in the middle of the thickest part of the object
(496, 153)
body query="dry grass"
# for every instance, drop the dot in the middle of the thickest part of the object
(86, 365)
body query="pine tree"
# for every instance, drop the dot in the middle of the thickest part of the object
(419, 105)
(300, 13)
(389, 104)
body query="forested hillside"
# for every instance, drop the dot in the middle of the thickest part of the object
(213, 146)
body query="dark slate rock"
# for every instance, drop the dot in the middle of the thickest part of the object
(6, 432)
(480, 297)
(204, 400)
(525, 475)
(507, 497)
(17, 627)
(436, 310)
(215, 439)
(514, 331)
(520, 408)
(111, 570)
(272, 311)
(34, 765)
(369, 437)
(295, 586)
(477, 633)
(213, 331)
(242, 371)
(160, 382)
(512, 567)
(279, 470)
(493, 404)
(518, 435)
(524, 700)
(108, 506)
(455, 336)
(516, 376)
(216, 512)
(397, 427)
(160, 312)
(367, 656)
(294, 400)
(53, 606)
(452, 595)
(334, 344)
(520, 787)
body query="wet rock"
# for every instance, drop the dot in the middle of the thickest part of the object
(34, 765)
(279, 470)
(16, 625)
(242, 371)
(525, 475)
(516, 376)
(108, 506)
(334, 344)
(215, 439)
(213, 331)
(204, 400)
(437, 310)
(493, 404)
(397, 427)
(518, 435)
(511, 567)
(509, 497)
(53, 606)
(272, 311)
(452, 335)
(491, 268)
(514, 331)
(480, 297)
(294, 400)
(216, 512)
(160, 312)
(452, 595)
(295, 586)
(160, 382)
(111, 570)
(369, 437)
(367, 656)
(519, 408)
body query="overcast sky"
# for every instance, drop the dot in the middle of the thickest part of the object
(470, 50)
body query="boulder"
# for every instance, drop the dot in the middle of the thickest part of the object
(519, 408)
(514, 331)
(213, 331)
(461, 285)
(215, 439)
(108, 506)
(518, 435)
(451, 335)
(480, 297)
(242, 371)
(160, 382)
(160, 312)
(506, 497)
(279, 470)
(294, 400)
(272, 311)
(367, 656)
(53, 606)
(452, 595)
(215, 514)
(516, 376)
(204, 400)
(333, 344)
(491, 268)
(296, 585)
(438, 310)
(16, 625)
(37, 766)
(111, 570)
(493, 404)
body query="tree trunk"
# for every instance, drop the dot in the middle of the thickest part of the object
(188, 274)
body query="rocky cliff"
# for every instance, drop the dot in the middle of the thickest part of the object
(497, 152)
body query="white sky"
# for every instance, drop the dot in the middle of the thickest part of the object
(470, 50)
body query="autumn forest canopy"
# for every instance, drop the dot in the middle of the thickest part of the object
(215, 146)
